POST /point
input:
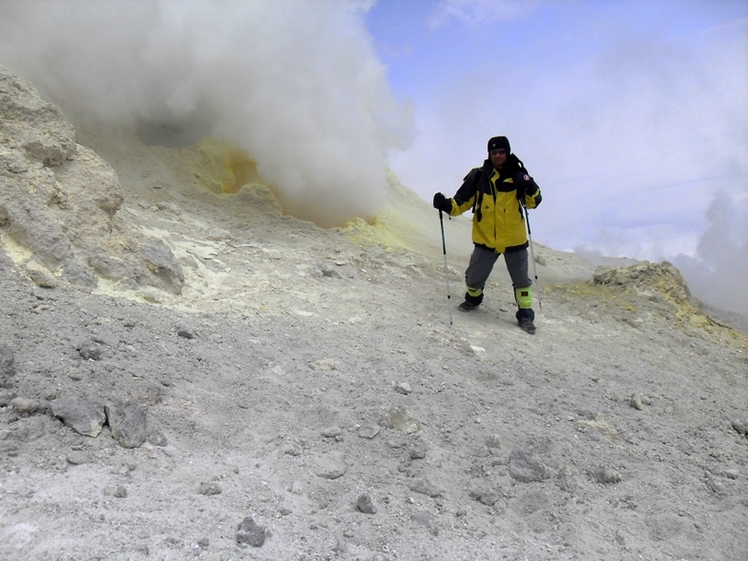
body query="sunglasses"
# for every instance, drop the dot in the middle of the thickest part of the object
(497, 151)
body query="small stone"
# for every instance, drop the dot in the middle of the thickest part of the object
(427, 519)
(293, 449)
(186, 331)
(715, 486)
(397, 442)
(402, 387)
(401, 419)
(635, 401)
(331, 465)
(332, 432)
(120, 492)
(90, 351)
(209, 489)
(77, 458)
(127, 419)
(526, 467)
(418, 452)
(23, 405)
(493, 441)
(731, 474)
(6, 397)
(489, 498)
(368, 431)
(250, 533)
(364, 504)
(486, 496)
(324, 364)
(141, 549)
(740, 426)
(606, 475)
(566, 481)
(85, 416)
(327, 271)
(425, 487)
(205, 542)
(157, 438)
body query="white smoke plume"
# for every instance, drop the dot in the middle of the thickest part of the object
(295, 83)
(717, 274)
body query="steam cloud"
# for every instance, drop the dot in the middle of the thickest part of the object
(293, 82)
(718, 272)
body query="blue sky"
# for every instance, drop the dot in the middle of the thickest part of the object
(631, 115)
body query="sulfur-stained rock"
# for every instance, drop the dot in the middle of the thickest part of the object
(60, 200)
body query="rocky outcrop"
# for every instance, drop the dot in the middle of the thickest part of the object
(663, 278)
(59, 203)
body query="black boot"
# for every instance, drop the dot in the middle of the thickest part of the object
(525, 317)
(527, 326)
(471, 303)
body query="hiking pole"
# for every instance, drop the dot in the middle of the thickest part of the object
(446, 269)
(532, 255)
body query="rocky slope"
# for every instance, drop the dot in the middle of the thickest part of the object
(266, 389)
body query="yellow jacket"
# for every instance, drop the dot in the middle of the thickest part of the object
(494, 197)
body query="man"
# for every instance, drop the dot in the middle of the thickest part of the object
(496, 192)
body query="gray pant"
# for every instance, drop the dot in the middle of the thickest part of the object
(481, 264)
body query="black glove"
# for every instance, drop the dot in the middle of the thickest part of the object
(442, 203)
(525, 185)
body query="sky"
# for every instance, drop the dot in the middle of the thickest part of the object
(632, 116)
